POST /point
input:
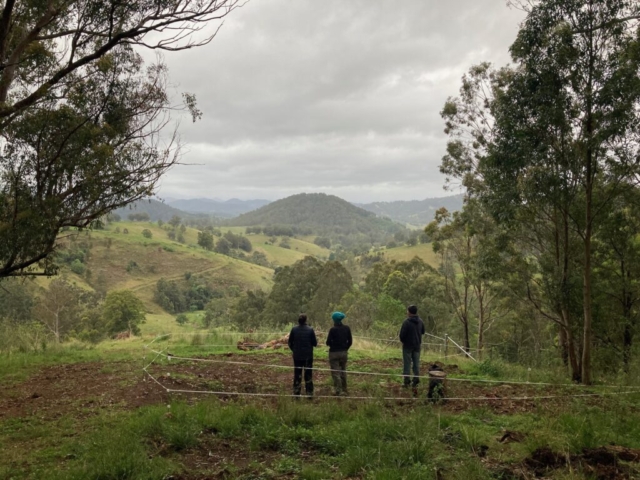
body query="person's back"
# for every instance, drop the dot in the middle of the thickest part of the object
(411, 337)
(339, 341)
(411, 332)
(302, 339)
(339, 338)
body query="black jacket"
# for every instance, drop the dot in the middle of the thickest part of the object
(411, 332)
(339, 338)
(302, 339)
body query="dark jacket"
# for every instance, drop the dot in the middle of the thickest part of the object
(302, 339)
(411, 332)
(339, 338)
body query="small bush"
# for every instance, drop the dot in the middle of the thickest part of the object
(182, 319)
(77, 267)
(146, 233)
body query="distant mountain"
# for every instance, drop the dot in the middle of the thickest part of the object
(156, 210)
(321, 213)
(414, 212)
(224, 209)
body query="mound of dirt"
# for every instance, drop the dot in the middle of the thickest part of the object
(602, 463)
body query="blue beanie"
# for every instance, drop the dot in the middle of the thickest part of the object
(337, 317)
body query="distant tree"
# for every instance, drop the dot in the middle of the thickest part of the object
(123, 311)
(139, 217)
(412, 241)
(16, 302)
(223, 246)
(334, 282)
(183, 228)
(171, 234)
(294, 288)
(205, 240)
(146, 233)
(125, 231)
(77, 267)
(113, 217)
(160, 223)
(180, 238)
(59, 308)
(175, 221)
(324, 242)
(182, 319)
(392, 244)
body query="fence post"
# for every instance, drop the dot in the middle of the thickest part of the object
(446, 345)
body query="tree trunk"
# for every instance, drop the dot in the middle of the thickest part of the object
(481, 320)
(586, 341)
(467, 344)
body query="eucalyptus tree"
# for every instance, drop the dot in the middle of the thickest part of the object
(572, 104)
(81, 115)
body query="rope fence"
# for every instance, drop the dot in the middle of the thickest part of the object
(385, 398)
(169, 357)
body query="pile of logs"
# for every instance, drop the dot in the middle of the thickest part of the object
(247, 344)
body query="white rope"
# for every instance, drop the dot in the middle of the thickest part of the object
(486, 399)
(463, 350)
(356, 372)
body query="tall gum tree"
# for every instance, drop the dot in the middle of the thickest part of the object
(584, 57)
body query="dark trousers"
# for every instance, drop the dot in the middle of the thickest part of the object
(411, 357)
(338, 363)
(301, 364)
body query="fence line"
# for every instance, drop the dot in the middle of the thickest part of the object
(356, 372)
(464, 399)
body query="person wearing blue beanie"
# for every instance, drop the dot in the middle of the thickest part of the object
(339, 341)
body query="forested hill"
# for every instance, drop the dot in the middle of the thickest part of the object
(414, 212)
(224, 209)
(320, 213)
(155, 209)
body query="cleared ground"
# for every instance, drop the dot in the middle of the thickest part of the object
(94, 414)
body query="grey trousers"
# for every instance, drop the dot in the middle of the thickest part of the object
(411, 358)
(338, 363)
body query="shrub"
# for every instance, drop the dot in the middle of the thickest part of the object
(182, 319)
(146, 233)
(77, 267)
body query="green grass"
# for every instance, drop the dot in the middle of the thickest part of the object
(338, 441)
(281, 438)
(406, 253)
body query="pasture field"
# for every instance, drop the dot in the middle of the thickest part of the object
(406, 253)
(80, 412)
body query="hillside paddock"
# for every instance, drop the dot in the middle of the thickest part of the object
(77, 412)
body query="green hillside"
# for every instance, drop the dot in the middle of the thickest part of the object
(320, 214)
(406, 253)
(131, 261)
(415, 212)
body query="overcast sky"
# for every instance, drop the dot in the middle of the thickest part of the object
(341, 97)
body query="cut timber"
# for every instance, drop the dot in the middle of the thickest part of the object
(246, 344)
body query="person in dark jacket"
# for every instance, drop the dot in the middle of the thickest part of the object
(302, 339)
(339, 341)
(411, 338)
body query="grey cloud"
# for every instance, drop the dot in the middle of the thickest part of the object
(334, 96)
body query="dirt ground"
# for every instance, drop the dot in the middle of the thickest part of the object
(86, 389)
(89, 387)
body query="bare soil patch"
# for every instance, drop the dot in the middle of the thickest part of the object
(84, 388)
(80, 388)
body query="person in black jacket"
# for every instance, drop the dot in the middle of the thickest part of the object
(411, 338)
(302, 339)
(339, 341)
